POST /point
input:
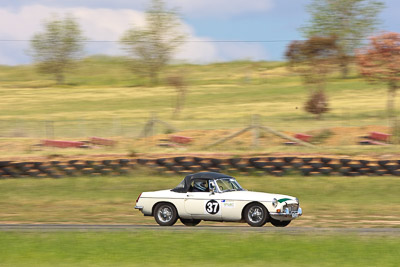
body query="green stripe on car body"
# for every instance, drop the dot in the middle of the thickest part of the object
(283, 200)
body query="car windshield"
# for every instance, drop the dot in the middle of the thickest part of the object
(228, 184)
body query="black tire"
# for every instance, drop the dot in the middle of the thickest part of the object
(278, 223)
(189, 222)
(256, 215)
(165, 214)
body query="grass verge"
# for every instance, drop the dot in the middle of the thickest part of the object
(326, 201)
(163, 248)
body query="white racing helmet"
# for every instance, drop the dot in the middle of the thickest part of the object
(201, 185)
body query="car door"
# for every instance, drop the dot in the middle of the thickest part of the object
(231, 209)
(203, 205)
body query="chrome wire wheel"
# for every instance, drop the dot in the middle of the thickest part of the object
(255, 214)
(165, 214)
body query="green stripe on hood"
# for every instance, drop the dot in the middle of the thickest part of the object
(283, 200)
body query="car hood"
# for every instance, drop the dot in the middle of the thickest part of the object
(255, 196)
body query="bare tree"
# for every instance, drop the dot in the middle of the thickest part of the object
(151, 48)
(55, 49)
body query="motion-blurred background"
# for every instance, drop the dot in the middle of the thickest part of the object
(120, 97)
(72, 71)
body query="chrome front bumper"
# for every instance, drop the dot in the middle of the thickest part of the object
(286, 214)
(139, 208)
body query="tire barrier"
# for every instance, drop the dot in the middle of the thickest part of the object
(183, 165)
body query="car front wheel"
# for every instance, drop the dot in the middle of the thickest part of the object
(189, 222)
(256, 215)
(278, 223)
(165, 214)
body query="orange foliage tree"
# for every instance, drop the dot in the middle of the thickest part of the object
(380, 61)
(314, 59)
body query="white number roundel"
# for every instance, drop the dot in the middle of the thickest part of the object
(212, 207)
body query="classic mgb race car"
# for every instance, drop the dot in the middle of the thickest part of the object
(213, 196)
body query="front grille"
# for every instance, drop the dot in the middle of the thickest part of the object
(292, 207)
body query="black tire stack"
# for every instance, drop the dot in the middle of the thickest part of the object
(184, 165)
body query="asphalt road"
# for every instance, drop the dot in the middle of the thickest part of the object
(232, 229)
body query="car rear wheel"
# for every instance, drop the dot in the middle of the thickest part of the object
(165, 214)
(278, 223)
(189, 222)
(256, 214)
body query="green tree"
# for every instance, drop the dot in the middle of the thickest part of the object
(56, 48)
(151, 48)
(350, 21)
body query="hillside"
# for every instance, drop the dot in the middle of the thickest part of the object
(102, 98)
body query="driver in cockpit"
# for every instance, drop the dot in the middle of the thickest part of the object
(200, 186)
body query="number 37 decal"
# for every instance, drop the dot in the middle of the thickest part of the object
(212, 207)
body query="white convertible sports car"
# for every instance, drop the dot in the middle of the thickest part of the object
(213, 196)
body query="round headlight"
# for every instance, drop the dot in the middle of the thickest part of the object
(274, 202)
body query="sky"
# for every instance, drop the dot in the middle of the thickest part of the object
(208, 24)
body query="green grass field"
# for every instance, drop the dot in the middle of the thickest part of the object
(197, 248)
(326, 201)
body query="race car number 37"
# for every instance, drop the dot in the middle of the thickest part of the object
(212, 207)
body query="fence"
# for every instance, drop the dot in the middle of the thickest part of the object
(50, 129)
(123, 127)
